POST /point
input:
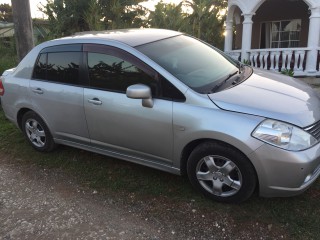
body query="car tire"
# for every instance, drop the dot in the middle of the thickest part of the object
(221, 172)
(37, 132)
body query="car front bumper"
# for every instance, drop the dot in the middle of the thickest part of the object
(284, 173)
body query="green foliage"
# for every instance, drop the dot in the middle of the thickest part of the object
(6, 13)
(288, 72)
(200, 18)
(246, 62)
(8, 56)
(7, 62)
(168, 16)
(205, 20)
(92, 16)
(66, 16)
(122, 13)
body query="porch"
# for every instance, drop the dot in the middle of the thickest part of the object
(275, 34)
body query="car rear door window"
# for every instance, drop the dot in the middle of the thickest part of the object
(60, 67)
(63, 67)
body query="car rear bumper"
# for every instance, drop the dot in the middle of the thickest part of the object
(284, 173)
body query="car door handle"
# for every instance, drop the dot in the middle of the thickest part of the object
(95, 101)
(37, 90)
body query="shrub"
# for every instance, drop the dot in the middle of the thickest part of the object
(8, 56)
(288, 72)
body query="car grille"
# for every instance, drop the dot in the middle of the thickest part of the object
(314, 130)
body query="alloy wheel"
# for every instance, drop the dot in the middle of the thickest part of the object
(35, 133)
(219, 175)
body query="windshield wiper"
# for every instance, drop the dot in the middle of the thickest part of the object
(220, 84)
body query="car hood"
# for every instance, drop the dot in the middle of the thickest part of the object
(272, 95)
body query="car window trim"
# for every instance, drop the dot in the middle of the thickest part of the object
(72, 47)
(35, 64)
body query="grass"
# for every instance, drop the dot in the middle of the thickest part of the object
(96, 171)
(298, 216)
(8, 57)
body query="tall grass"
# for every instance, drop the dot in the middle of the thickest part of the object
(8, 56)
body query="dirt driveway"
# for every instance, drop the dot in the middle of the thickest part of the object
(36, 203)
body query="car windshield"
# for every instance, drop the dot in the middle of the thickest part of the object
(196, 64)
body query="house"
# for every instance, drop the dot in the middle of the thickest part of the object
(40, 30)
(275, 34)
(6, 29)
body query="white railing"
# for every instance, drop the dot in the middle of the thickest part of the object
(278, 59)
(235, 54)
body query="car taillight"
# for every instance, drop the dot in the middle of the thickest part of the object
(1, 88)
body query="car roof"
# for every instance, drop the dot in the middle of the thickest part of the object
(132, 37)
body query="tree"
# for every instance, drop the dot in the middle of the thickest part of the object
(23, 29)
(200, 18)
(168, 16)
(6, 13)
(93, 17)
(205, 15)
(69, 16)
(122, 13)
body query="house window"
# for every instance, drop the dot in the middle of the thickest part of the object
(281, 34)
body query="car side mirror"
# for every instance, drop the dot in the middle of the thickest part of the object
(141, 91)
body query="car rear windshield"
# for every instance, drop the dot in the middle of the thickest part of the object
(193, 62)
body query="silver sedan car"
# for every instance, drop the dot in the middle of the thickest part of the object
(169, 101)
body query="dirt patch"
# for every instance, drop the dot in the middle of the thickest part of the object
(49, 204)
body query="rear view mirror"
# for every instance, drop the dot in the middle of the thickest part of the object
(140, 91)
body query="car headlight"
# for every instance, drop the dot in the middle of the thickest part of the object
(283, 135)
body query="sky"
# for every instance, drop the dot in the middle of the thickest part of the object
(150, 4)
(35, 13)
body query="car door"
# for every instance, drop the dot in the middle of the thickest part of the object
(56, 92)
(117, 123)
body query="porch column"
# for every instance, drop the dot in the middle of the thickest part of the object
(313, 41)
(229, 36)
(246, 36)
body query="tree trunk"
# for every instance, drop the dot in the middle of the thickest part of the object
(23, 30)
